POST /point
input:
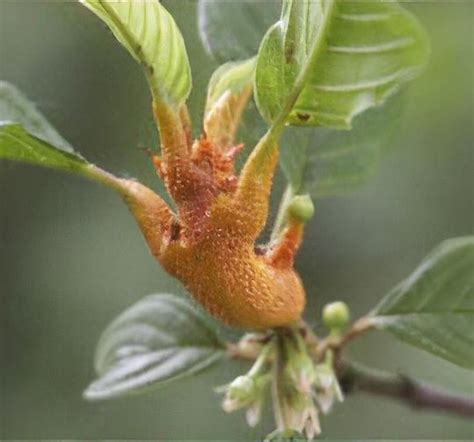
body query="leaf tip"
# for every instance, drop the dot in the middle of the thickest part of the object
(90, 393)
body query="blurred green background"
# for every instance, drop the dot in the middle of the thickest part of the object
(71, 258)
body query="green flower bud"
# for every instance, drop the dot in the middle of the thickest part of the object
(328, 389)
(246, 391)
(336, 315)
(242, 388)
(299, 371)
(304, 418)
(301, 208)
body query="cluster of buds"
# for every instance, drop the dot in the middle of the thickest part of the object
(249, 390)
(302, 387)
(327, 388)
(308, 388)
(297, 411)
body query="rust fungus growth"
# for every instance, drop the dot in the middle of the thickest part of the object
(209, 243)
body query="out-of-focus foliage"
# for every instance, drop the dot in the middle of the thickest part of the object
(325, 162)
(233, 30)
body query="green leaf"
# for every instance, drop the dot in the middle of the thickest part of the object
(160, 339)
(18, 145)
(26, 136)
(327, 61)
(147, 30)
(16, 108)
(232, 30)
(433, 309)
(325, 162)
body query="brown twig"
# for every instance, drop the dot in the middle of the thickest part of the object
(359, 327)
(419, 395)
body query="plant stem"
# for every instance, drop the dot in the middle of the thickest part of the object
(354, 377)
(105, 178)
(278, 395)
(235, 352)
(262, 359)
(281, 214)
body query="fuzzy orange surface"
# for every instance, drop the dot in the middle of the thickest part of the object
(234, 283)
(209, 244)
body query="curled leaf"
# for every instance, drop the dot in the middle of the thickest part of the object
(149, 33)
(326, 61)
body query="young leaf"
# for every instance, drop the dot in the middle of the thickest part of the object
(232, 30)
(16, 108)
(18, 145)
(325, 162)
(326, 61)
(147, 30)
(26, 136)
(229, 89)
(433, 309)
(160, 339)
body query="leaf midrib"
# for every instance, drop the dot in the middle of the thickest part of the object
(137, 49)
(68, 155)
(302, 78)
(426, 312)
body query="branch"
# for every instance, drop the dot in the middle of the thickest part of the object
(337, 343)
(354, 377)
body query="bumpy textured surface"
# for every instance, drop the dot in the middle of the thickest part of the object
(209, 245)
